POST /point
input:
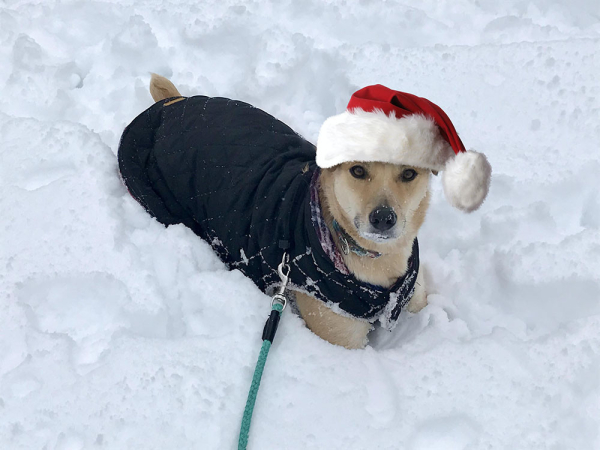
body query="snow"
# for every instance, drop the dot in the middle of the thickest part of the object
(118, 333)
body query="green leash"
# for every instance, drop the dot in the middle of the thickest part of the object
(277, 306)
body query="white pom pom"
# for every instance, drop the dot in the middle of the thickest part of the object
(466, 180)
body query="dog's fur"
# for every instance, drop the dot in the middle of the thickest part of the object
(349, 201)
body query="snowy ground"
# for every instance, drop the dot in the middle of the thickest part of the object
(118, 333)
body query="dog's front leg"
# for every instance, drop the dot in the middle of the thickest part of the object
(419, 298)
(333, 327)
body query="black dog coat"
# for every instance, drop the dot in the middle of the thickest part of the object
(239, 178)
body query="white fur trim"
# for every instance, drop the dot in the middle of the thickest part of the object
(466, 180)
(412, 140)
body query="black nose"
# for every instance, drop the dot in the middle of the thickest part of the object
(382, 218)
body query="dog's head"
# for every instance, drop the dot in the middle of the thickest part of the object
(378, 204)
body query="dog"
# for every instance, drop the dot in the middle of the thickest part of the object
(354, 260)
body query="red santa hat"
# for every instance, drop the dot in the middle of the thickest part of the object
(399, 128)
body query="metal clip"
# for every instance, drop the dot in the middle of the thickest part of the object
(345, 245)
(284, 274)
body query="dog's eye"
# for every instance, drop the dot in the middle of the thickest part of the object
(409, 174)
(358, 172)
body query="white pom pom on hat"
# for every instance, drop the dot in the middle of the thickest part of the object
(466, 180)
(395, 127)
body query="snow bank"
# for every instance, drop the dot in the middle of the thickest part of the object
(118, 333)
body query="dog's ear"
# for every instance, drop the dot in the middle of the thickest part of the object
(435, 172)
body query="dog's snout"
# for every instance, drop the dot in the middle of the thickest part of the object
(382, 218)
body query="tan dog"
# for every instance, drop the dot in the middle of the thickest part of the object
(351, 193)
(351, 200)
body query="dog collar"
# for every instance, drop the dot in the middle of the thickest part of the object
(350, 245)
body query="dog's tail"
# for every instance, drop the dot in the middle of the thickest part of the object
(161, 88)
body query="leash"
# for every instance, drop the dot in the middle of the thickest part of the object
(278, 304)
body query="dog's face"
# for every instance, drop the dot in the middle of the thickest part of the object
(377, 203)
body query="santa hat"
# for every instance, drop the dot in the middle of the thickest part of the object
(399, 128)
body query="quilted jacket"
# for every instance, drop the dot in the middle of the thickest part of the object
(239, 178)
